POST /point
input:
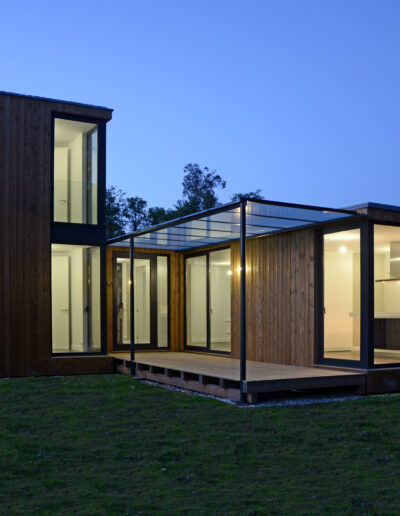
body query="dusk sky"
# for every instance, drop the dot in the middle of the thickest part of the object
(300, 99)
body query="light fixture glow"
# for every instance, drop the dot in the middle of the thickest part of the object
(229, 273)
(342, 249)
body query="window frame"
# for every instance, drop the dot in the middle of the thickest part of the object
(78, 228)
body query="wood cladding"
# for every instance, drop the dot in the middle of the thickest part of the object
(176, 286)
(25, 282)
(280, 297)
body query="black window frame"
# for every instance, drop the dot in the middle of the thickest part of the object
(153, 345)
(103, 304)
(207, 349)
(76, 229)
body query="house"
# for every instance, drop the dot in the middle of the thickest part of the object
(242, 300)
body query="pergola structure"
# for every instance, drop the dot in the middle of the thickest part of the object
(241, 220)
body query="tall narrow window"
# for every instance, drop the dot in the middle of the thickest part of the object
(342, 295)
(75, 294)
(386, 294)
(75, 171)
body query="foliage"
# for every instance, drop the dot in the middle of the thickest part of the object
(199, 189)
(115, 212)
(256, 195)
(136, 213)
(198, 193)
(111, 445)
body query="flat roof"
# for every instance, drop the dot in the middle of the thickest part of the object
(376, 205)
(222, 224)
(46, 99)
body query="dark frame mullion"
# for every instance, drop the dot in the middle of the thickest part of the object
(367, 295)
(208, 300)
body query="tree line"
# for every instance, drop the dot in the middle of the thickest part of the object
(126, 214)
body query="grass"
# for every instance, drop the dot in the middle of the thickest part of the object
(103, 445)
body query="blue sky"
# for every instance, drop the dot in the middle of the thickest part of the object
(298, 98)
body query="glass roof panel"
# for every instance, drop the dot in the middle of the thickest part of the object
(222, 224)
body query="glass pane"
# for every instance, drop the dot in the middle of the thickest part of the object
(220, 300)
(123, 301)
(387, 294)
(75, 171)
(75, 291)
(142, 300)
(162, 301)
(342, 295)
(196, 301)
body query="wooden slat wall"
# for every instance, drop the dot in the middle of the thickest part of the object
(176, 316)
(280, 298)
(25, 172)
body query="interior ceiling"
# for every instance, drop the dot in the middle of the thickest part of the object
(350, 239)
(65, 131)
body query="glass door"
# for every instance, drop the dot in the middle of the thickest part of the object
(341, 287)
(151, 301)
(208, 301)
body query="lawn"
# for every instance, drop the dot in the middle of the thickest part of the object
(111, 445)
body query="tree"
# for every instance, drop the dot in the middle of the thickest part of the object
(157, 215)
(256, 195)
(136, 213)
(198, 189)
(115, 212)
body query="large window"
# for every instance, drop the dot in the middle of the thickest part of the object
(208, 301)
(75, 294)
(150, 305)
(75, 171)
(342, 295)
(386, 294)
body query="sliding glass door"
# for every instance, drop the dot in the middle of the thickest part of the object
(208, 301)
(150, 305)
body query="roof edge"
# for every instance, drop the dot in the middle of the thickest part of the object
(47, 99)
(375, 205)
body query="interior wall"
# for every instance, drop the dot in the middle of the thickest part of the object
(338, 301)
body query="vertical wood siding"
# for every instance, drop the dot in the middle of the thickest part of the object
(25, 253)
(280, 298)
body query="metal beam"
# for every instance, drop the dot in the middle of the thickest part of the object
(132, 301)
(243, 396)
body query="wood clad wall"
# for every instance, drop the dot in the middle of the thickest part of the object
(176, 315)
(280, 298)
(25, 283)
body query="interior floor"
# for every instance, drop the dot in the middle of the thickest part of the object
(355, 355)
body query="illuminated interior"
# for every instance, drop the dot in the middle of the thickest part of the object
(75, 171)
(75, 292)
(386, 294)
(342, 295)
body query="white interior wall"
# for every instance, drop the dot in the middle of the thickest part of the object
(76, 176)
(196, 302)
(338, 298)
(77, 299)
(220, 301)
(95, 298)
(61, 197)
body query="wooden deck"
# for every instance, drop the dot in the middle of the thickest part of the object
(220, 375)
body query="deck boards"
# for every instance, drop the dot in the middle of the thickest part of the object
(228, 368)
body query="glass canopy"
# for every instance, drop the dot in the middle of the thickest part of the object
(222, 224)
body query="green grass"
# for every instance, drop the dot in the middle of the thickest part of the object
(100, 445)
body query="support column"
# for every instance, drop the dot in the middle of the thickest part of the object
(243, 205)
(132, 301)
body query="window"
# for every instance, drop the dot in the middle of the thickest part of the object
(150, 305)
(75, 291)
(386, 294)
(342, 295)
(208, 301)
(75, 172)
